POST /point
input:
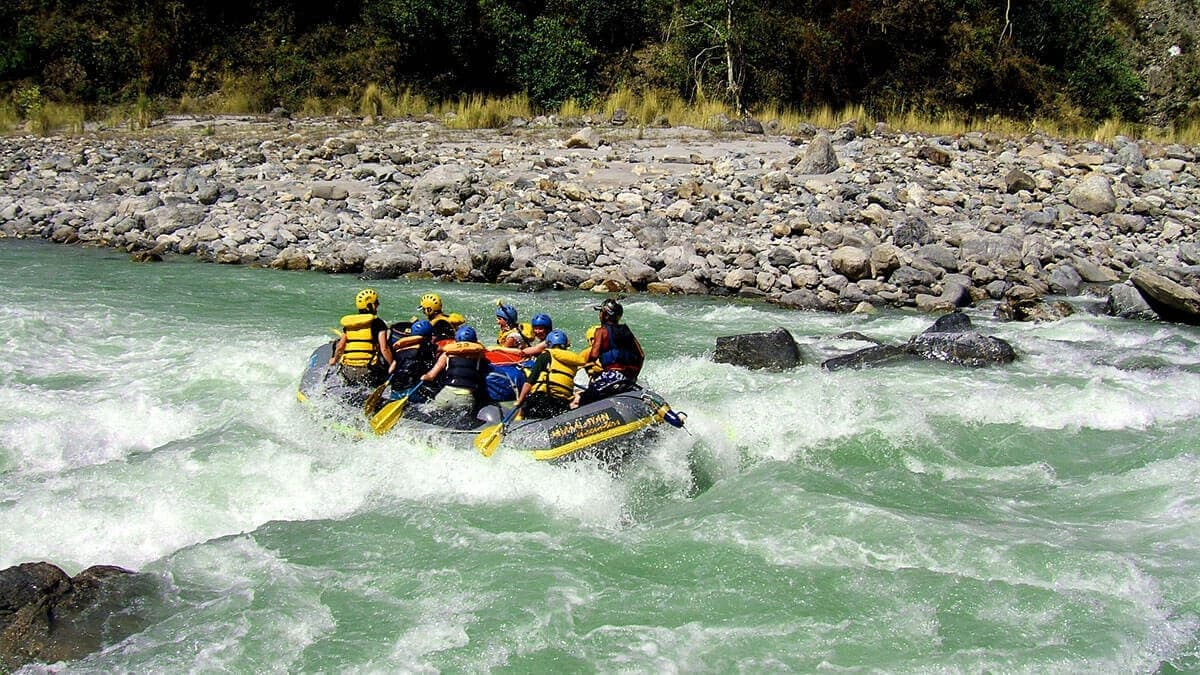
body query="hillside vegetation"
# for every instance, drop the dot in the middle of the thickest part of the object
(1063, 59)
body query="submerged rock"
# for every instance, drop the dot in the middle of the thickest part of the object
(774, 350)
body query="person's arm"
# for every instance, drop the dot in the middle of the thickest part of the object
(539, 367)
(535, 350)
(570, 359)
(436, 370)
(338, 350)
(385, 348)
(598, 342)
(524, 392)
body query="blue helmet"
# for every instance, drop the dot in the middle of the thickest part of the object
(557, 338)
(422, 328)
(465, 334)
(541, 321)
(507, 312)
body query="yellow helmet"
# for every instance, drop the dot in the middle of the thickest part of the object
(591, 333)
(431, 303)
(456, 319)
(366, 299)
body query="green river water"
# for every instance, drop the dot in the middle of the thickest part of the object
(1040, 517)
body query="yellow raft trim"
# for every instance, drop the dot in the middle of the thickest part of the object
(301, 397)
(608, 434)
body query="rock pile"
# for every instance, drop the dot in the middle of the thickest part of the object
(821, 220)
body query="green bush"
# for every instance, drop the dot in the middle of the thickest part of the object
(557, 65)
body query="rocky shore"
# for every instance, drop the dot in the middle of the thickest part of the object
(831, 219)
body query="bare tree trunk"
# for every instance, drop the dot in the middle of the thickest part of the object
(731, 81)
(1007, 30)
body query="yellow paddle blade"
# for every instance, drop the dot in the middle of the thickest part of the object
(386, 418)
(371, 405)
(489, 439)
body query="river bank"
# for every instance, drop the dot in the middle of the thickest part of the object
(832, 219)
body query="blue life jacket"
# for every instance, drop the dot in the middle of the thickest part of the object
(505, 381)
(622, 352)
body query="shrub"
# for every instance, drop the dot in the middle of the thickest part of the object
(557, 64)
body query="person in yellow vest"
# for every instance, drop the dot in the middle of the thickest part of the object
(510, 332)
(591, 368)
(462, 370)
(443, 325)
(362, 351)
(550, 387)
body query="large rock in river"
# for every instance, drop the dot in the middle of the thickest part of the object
(951, 338)
(774, 350)
(46, 616)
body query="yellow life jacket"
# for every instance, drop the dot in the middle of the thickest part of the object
(407, 342)
(593, 368)
(558, 380)
(360, 340)
(503, 335)
(464, 349)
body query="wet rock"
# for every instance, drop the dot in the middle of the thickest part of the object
(964, 348)
(951, 339)
(1024, 303)
(1125, 301)
(774, 350)
(46, 616)
(871, 356)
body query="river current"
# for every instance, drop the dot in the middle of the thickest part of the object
(1032, 518)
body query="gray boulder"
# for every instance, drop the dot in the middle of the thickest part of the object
(965, 348)
(819, 157)
(774, 350)
(391, 262)
(951, 339)
(1171, 301)
(1094, 195)
(1126, 302)
(871, 356)
(445, 180)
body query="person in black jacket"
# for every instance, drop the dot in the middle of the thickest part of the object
(618, 352)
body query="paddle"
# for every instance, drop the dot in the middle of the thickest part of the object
(371, 405)
(489, 439)
(386, 418)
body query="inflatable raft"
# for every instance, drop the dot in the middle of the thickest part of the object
(610, 431)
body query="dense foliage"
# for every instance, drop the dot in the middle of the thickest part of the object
(975, 56)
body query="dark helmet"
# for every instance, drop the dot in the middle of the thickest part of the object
(610, 309)
(465, 334)
(557, 338)
(506, 312)
(422, 328)
(541, 321)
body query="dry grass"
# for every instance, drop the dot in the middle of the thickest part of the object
(409, 104)
(372, 102)
(570, 109)
(645, 108)
(50, 118)
(9, 119)
(480, 112)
